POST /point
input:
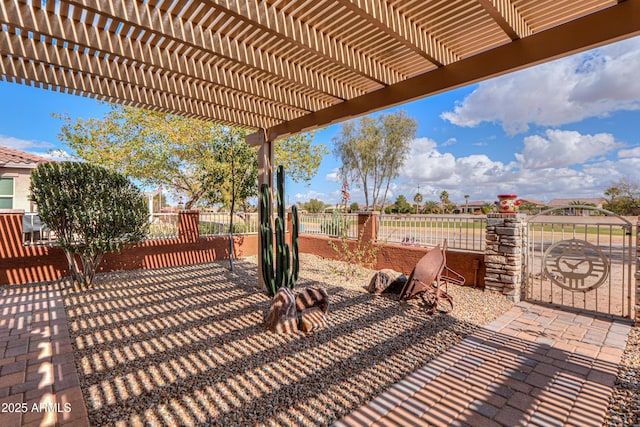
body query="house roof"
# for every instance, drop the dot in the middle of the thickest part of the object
(19, 159)
(285, 66)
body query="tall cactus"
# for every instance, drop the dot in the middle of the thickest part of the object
(280, 268)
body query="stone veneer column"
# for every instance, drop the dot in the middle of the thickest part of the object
(504, 256)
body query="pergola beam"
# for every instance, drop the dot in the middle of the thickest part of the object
(606, 26)
(303, 36)
(507, 17)
(396, 25)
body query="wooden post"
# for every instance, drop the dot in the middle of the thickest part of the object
(265, 176)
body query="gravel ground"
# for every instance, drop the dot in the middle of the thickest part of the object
(624, 403)
(186, 346)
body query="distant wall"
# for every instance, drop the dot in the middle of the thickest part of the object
(397, 257)
(23, 264)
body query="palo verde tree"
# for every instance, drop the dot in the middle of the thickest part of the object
(156, 148)
(91, 210)
(373, 150)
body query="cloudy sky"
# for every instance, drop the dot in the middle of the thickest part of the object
(567, 128)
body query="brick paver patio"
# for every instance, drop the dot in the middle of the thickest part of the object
(535, 365)
(38, 380)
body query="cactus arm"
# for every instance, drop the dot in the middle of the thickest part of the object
(288, 282)
(295, 260)
(280, 252)
(280, 192)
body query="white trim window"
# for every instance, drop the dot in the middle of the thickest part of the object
(7, 192)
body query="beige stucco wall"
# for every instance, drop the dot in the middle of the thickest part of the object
(21, 184)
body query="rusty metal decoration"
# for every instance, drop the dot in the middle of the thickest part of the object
(428, 279)
(576, 265)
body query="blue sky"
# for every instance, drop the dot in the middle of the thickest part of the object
(564, 129)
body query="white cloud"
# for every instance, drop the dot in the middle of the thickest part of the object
(564, 148)
(449, 141)
(26, 145)
(432, 171)
(58, 154)
(311, 194)
(426, 163)
(568, 90)
(631, 152)
(334, 176)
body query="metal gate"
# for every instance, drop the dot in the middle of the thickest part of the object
(581, 257)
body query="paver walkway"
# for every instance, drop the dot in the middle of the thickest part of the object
(38, 380)
(535, 365)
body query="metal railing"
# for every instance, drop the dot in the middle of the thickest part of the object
(218, 223)
(163, 226)
(330, 224)
(461, 231)
(34, 232)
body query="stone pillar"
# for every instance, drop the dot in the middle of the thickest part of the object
(189, 226)
(368, 226)
(505, 255)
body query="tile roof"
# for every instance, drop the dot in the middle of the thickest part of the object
(15, 158)
(581, 200)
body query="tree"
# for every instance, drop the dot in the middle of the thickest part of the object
(234, 173)
(372, 151)
(354, 207)
(156, 148)
(466, 203)
(91, 210)
(444, 200)
(401, 205)
(314, 206)
(624, 197)
(417, 199)
(431, 206)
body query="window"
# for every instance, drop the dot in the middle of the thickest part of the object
(6, 193)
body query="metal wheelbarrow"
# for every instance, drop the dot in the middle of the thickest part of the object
(429, 281)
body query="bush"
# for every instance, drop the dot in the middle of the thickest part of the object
(91, 210)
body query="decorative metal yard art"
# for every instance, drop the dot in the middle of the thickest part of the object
(576, 265)
(279, 269)
(429, 277)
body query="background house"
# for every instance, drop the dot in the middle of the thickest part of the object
(598, 202)
(15, 178)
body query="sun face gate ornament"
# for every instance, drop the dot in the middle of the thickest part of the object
(576, 265)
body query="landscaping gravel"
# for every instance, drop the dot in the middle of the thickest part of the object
(187, 346)
(624, 403)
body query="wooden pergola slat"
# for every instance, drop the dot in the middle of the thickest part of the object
(289, 65)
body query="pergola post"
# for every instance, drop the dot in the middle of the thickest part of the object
(265, 176)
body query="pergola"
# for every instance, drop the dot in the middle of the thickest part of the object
(285, 66)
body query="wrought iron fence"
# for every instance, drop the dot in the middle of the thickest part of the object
(461, 231)
(163, 226)
(34, 232)
(330, 224)
(218, 223)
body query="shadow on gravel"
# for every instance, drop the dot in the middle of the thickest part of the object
(183, 346)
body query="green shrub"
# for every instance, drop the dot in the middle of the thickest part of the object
(91, 210)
